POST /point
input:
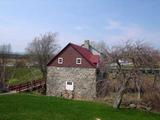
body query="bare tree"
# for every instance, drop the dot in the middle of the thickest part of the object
(139, 56)
(5, 51)
(102, 83)
(41, 49)
(100, 46)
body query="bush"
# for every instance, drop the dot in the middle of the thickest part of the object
(152, 98)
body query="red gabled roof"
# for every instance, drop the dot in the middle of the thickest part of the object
(92, 59)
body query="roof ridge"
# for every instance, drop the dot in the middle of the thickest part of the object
(82, 48)
(87, 54)
(83, 54)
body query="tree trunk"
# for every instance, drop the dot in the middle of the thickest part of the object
(4, 76)
(119, 97)
(44, 71)
(44, 75)
(139, 90)
(139, 85)
(156, 83)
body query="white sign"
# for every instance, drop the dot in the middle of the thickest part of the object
(69, 85)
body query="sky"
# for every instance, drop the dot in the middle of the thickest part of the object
(112, 21)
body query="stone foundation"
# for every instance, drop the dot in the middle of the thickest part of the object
(84, 80)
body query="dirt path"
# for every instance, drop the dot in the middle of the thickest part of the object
(8, 93)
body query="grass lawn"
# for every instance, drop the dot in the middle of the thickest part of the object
(30, 107)
(22, 75)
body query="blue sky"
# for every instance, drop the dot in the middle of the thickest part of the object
(112, 21)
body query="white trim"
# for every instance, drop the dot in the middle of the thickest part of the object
(60, 60)
(69, 85)
(77, 61)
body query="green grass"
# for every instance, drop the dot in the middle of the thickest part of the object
(23, 75)
(30, 107)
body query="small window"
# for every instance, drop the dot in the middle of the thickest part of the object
(78, 60)
(60, 60)
(69, 85)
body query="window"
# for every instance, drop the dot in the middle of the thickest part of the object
(78, 60)
(60, 60)
(69, 85)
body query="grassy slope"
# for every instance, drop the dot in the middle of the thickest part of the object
(24, 75)
(29, 107)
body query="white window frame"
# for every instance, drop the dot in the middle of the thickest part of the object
(69, 86)
(77, 59)
(60, 60)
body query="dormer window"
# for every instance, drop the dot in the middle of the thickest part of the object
(60, 60)
(78, 60)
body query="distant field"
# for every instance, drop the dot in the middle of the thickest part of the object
(30, 107)
(21, 75)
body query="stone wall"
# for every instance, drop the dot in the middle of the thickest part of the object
(84, 80)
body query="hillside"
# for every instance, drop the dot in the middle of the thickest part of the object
(30, 107)
(22, 75)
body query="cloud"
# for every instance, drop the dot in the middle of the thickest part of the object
(17, 36)
(81, 28)
(130, 29)
(118, 32)
(113, 24)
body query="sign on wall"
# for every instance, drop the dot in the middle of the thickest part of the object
(69, 85)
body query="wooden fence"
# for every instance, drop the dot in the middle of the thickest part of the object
(35, 84)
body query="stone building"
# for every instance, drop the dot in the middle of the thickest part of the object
(72, 73)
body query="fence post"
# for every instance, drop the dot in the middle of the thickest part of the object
(19, 87)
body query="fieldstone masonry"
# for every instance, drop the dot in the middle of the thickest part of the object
(84, 80)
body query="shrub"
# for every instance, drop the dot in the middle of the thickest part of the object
(152, 98)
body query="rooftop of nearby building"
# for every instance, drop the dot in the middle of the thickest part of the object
(86, 53)
(94, 59)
